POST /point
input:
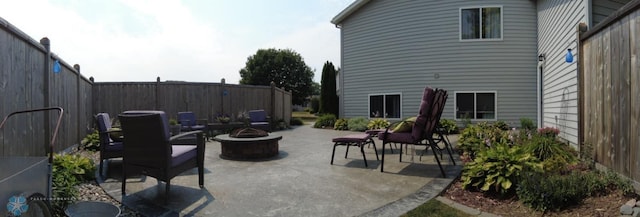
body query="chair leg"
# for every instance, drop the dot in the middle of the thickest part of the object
(124, 182)
(166, 191)
(201, 175)
(449, 148)
(100, 169)
(401, 151)
(334, 152)
(363, 156)
(438, 160)
(346, 152)
(374, 148)
(382, 161)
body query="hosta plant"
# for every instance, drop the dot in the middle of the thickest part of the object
(378, 123)
(358, 124)
(341, 124)
(498, 168)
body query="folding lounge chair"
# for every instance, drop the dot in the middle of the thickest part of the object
(423, 129)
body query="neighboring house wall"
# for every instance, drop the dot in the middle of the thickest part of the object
(557, 31)
(402, 46)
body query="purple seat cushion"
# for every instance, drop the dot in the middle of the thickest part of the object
(421, 120)
(182, 153)
(352, 138)
(396, 137)
(113, 146)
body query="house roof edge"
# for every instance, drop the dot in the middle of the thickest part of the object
(353, 7)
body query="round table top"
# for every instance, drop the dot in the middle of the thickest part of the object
(226, 137)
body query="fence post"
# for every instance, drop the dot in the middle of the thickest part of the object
(222, 82)
(273, 100)
(156, 107)
(47, 70)
(581, 29)
(78, 106)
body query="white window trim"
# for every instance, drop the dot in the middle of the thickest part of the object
(455, 105)
(481, 39)
(384, 103)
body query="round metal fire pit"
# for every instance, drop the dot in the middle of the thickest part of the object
(248, 148)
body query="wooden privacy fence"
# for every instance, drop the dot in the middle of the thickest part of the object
(206, 100)
(27, 81)
(610, 91)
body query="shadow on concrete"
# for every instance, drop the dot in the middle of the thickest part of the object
(151, 200)
(113, 170)
(281, 155)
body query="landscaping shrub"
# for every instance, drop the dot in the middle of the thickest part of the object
(358, 124)
(498, 168)
(501, 125)
(552, 192)
(557, 191)
(296, 122)
(544, 148)
(477, 137)
(450, 126)
(326, 120)
(68, 171)
(378, 123)
(341, 124)
(315, 104)
(91, 142)
(550, 132)
(527, 124)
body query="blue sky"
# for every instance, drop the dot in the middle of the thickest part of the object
(187, 40)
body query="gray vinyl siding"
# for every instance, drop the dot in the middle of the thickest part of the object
(557, 24)
(601, 9)
(397, 46)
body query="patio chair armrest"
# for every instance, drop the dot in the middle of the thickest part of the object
(176, 137)
(112, 130)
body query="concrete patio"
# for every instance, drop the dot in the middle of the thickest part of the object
(298, 182)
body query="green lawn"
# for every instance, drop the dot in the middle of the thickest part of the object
(435, 208)
(305, 116)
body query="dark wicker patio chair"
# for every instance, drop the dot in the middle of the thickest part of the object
(149, 151)
(108, 148)
(189, 122)
(258, 119)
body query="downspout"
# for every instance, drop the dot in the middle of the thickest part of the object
(341, 76)
(540, 100)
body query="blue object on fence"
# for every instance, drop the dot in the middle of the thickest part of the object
(225, 93)
(56, 67)
(569, 57)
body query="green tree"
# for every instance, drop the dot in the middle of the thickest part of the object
(328, 95)
(316, 88)
(285, 68)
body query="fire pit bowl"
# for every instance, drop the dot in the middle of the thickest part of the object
(248, 144)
